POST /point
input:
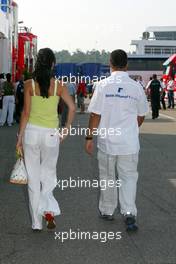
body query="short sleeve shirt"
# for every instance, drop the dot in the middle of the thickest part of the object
(119, 100)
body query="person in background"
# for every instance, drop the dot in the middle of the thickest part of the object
(163, 94)
(2, 80)
(19, 98)
(118, 105)
(39, 140)
(90, 89)
(170, 88)
(148, 84)
(81, 94)
(155, 94)
(140, 81)
(147, 88)
(71, 86)
(8, 102)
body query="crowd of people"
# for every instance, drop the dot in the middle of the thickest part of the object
(156, 93)
(12, 99)
(77, 91)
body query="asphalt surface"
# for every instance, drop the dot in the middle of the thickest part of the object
(155, 242)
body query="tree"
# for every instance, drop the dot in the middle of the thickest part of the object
(63, 56)
(78, 56)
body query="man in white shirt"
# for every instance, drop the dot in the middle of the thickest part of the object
(118, 106)
(163, 93)
(170, 88)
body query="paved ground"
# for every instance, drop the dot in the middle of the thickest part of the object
(155, 242)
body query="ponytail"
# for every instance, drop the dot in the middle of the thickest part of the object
(44, 70)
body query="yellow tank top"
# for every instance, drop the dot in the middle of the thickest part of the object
(44, 110)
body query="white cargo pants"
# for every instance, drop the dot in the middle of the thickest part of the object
(7, 109)
(41, 150)
(126, 167)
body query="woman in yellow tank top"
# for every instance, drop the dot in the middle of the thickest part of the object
(38, 140)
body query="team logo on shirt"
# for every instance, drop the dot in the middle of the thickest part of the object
(120, 89)
(121, 95)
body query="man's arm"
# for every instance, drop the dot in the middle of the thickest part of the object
(94, 122)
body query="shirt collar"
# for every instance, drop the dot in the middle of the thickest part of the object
(121, 73)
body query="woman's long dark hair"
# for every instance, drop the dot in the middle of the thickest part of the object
(44, 70)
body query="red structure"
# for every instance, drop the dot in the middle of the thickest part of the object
(170, 69)
(23, 47)
(18, 50)
(27, 52)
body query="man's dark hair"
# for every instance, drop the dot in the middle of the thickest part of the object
(154, 76)
(8, 77)
(119, 58)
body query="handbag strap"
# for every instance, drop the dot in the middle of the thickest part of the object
(33, 87)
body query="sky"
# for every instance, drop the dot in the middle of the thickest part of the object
(93, 24)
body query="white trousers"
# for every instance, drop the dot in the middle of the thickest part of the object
(7, 110)
(126, 167)
(41, 150)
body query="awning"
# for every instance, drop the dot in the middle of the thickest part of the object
(171, 59)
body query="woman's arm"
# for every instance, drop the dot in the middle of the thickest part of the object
(71, 107)
(25, 115)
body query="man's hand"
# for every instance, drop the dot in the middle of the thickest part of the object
(94, 122)
(89, 146)
(140, 120)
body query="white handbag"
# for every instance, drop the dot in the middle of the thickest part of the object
(19, 173)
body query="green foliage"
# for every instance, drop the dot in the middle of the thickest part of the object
(79, 56)
(27, 75)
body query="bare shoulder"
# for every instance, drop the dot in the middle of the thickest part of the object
(28, 86)
(28, 83)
